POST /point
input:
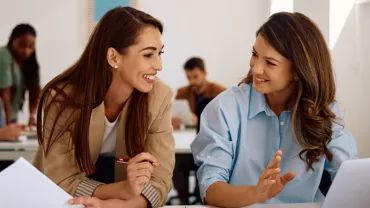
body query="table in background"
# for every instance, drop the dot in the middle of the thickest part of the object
(23, 148)
(27, 148)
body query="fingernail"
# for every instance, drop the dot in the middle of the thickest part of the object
(70, 201)
(277, 169)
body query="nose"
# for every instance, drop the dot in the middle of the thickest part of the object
(158, 64)
(257, 68)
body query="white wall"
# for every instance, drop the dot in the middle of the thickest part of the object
(317, 10)
(350, 55)
(61, 28)
(219, 31)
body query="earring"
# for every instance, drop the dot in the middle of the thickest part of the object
(115, 66)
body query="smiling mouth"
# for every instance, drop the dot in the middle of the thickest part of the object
(150, 77)
(260, 80)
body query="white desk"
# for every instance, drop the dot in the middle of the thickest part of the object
(183, 139)
(24, 148)
(258, 206)
(27, 147)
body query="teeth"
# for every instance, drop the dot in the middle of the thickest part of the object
(151, 77)
(260, 80)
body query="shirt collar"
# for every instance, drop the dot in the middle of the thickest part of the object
(257, 104)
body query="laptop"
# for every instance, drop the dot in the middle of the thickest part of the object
(181, 108)
(351, 186)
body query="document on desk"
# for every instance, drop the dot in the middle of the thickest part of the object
(22, 185)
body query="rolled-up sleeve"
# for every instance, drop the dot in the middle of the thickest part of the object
(343, 144)
(212, 148)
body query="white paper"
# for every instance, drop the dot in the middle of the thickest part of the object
(22, 185)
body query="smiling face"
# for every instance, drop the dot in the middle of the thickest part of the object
(138, 66)
(271, 72)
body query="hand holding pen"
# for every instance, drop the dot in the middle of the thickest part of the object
(139, 171)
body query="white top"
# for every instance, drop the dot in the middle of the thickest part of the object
(110, 135)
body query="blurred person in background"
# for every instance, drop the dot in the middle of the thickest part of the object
(19, 72)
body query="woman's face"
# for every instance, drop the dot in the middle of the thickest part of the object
(272, 73)
(138, 66)
(24, 46)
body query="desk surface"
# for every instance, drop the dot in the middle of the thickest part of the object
(259, 206)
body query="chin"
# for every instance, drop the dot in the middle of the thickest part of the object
(145, 88)
(261, 89)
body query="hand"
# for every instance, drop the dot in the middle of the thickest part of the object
(88, 201)
(32, 120)
(139, 172)
(271, 183)
(194, 118)
(11, 132)
(176, 122)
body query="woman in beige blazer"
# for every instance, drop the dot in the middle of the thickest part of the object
(110, 103)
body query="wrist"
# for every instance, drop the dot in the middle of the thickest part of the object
(256, 198)
(124, 193)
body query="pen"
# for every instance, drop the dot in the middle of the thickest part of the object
(125, 161)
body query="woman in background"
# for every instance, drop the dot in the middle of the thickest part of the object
(19, 72)
(270, 139)
(110, 104)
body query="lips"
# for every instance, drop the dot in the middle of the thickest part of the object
(260, 80)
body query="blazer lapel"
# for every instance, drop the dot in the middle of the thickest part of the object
(96, 131)
(120, 169)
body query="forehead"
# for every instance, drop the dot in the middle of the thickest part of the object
(149, 36)
(26, 39)
(193, 72)
(262, 47)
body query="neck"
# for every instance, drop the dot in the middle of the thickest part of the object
(202, 87)
(278, 101)
(116, 97)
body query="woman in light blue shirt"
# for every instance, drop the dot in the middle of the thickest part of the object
(270, 139)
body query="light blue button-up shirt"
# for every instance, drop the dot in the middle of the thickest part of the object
(240, 134)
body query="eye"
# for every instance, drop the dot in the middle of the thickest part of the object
(270, 63)
(148, 55)
(254, 54)
(160, 53)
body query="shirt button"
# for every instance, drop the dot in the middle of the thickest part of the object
(281, 123)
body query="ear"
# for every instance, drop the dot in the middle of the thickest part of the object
(112, 57)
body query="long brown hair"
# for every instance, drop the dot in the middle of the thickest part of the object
(88, 81)
(299, 40)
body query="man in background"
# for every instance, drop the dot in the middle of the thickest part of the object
(198, 93)
(198, 90)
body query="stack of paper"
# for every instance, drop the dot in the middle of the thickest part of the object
(22, 185)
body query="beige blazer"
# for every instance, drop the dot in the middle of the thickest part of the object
(60, 167)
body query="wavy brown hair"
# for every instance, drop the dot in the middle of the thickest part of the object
(83, 86)
(299, 40)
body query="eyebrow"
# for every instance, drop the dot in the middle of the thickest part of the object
(266, 57)
(151, 48)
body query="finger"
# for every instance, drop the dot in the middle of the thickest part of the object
(144, 156)
(270, 172)
(274, 162)
(132, 175)
(287, 178)
(139, 166)
(84, 200)
(141, 180)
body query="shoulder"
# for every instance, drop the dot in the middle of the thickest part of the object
(232, 100)
(217, 87)
(183, 89)
(159, 96)
(5, 55)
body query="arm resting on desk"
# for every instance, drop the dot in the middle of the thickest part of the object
(222, 194)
